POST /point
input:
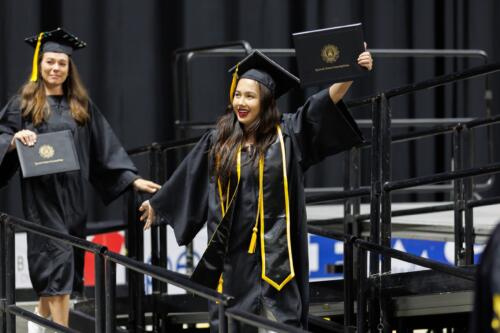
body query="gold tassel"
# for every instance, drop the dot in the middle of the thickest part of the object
(253, 241)
(221, 283)
(34, 71)
(233, 84)
(259, 215)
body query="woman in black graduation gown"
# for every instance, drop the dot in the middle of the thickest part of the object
(55, 99)
(245, 179)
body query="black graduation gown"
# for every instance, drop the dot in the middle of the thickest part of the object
(487, 284)
(190, 198)
(57, 201)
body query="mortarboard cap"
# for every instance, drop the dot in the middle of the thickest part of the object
(58, 40)
(257, 66)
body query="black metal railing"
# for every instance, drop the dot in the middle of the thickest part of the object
(105, 283)
(382, 187)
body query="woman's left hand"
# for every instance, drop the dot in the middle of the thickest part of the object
(365, 60)
(144, 185)
(148, 214)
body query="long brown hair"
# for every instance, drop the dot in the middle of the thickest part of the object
(34, 101)
(230, 134)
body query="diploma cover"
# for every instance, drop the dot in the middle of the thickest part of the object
(329, 55)
(52, 153)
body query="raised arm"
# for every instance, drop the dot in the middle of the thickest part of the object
(338, 90)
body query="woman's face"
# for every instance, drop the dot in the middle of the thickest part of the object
(54, 68)
(246, 101)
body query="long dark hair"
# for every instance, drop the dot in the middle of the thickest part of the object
(34, 101)
(230, 134)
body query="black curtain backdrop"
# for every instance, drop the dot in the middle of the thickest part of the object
(127, 65)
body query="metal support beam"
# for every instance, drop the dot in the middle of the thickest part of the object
(100, 297)
(458, 198)
(10, 276)
(110, 296)
(374, 307)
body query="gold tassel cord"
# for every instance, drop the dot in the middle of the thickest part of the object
(34, 71)
(225, 207)
(220, 285)
(221, 199)
(253, 240)
(233, 84)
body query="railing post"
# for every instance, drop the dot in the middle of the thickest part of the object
(110, 296)
(230, 324)
(348, 247)
(3, 271)
(100, 301)
(222, 318)
(162, 229)
(374, 309)
(10, 276)
(362, 290)
(135, 246)
(348, 284)
(468, 193)
(458, 197)
(356, 202)
(386, 230)
(155, 246)
(386, 176)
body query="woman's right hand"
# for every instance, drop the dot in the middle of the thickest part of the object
(26, 137)
(148, 214)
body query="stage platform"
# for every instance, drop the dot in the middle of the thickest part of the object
(432, 226)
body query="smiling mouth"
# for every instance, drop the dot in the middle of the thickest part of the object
(243, 113)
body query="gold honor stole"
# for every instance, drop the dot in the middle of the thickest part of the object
(272, 219)
(495, 322)
(275, 234)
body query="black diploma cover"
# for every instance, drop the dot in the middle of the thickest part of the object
(52, 153)
(329, 55)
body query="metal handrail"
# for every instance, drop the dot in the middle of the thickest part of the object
(170, 277)
(317, 198)
(396, 254)
(420, 261)
(174, 144)
(30, 316)
(162, 274)
(52, 234)
(443, 176)
(221, 46)
(155, 272)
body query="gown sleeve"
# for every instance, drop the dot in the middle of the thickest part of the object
(321, 128)
(10, 123)
(182, 202)
(111, 170)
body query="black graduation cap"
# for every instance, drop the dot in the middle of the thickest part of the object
(257, 66)
(58, 40)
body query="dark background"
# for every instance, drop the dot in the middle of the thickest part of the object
(127, 65)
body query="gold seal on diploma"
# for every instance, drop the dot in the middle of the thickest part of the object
(46, 151)
(330, 53)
